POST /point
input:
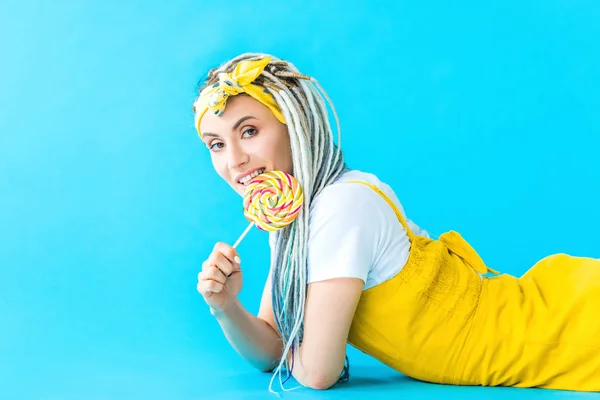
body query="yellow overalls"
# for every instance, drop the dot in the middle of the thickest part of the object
(439, 320)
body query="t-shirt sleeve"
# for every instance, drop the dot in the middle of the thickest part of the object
(345, 229)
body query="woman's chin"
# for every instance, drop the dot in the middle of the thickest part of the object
(241, 189)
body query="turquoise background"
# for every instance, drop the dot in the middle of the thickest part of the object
(483, 117)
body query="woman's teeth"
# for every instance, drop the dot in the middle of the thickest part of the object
(247, 178)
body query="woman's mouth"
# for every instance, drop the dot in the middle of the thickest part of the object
(244, 180)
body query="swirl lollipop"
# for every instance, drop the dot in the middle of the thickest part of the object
(272, 201)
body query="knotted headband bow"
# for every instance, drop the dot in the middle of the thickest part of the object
(240, 81)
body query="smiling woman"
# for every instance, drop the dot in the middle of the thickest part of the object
(246, 140)
(426, 307)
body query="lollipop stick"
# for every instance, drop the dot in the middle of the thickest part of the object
(243, 234)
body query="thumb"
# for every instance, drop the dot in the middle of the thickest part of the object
(236, 261)
(236, 266)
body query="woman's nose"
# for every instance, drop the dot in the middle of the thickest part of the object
(237, 156)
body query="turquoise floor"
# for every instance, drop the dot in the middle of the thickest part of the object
(219, 375)
(174, 378)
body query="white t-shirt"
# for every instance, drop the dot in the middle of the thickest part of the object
(353, 232)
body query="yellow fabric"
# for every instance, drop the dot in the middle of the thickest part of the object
(439, 320)
(215, 97)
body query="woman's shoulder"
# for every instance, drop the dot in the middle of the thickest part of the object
(358, 203)
(354, 232)
(343, 205)
(345, 195)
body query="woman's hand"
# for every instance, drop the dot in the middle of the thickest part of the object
(220, 281)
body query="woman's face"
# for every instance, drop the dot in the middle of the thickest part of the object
(245, 141)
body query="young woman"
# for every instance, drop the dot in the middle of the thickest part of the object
(425, 307)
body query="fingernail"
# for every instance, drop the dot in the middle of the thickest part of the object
(237, 259)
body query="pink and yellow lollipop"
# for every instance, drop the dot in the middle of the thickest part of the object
(272, 201)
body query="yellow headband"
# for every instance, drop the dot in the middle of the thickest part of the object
(240, 81)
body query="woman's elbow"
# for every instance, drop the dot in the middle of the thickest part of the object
(265, 366)
(311, 381)
(320, 381)
(266, 369)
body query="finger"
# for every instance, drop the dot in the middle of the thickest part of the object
(220, 261)
(208, 287)
(209, 265)
(203, 289)
(212, 273)
(229, 252)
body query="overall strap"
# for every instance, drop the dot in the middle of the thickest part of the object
(410, 234)
(452, 240)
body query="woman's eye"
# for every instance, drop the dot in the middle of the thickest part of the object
(249, 132)
(216, 146)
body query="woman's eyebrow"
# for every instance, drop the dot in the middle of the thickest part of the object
(237, 124)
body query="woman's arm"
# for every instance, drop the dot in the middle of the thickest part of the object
(330, 307)
(335, 291)
(254, 338)
(344, 242)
